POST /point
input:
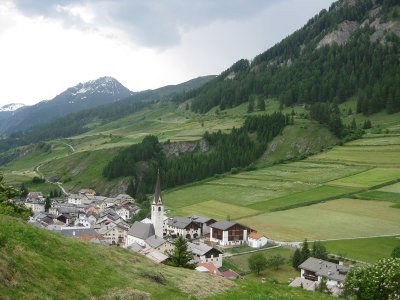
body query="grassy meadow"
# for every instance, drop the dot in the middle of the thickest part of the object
(378, 248)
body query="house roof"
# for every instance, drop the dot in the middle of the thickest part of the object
(157, 191)
(76, 232)
(256, 235)
(305, 283)
(135, 247)
(155, 241)
(154, 255)
(223, 225)
(141, 230)
(200, 219)
(210, 267)
(325, 268)
(180, 222)
(200, 249)
(230, 274)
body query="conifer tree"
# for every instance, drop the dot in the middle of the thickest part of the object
(296, 259)
(305, 251)
(181, 256)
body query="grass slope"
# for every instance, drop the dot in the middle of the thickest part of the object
(37, 264)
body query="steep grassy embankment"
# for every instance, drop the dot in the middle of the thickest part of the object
(37, 264)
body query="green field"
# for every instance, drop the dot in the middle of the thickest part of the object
(217, 210)
(336, 219)
(377, 248)
(304, 198)
(369, 178)
(379, 156)
(393, 188)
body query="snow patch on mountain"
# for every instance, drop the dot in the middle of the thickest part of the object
(11, 107)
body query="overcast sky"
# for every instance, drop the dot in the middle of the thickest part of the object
(47, 46)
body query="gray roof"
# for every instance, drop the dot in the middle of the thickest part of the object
(179, 222)
(200, 249)
(200, 219)
(155, 241)
(325, 268)
(76, 231)
(141, 230)
(135, 247)
(223, 225)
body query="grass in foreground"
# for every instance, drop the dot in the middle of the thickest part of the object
(368, 250)
(252, 288)
(37, 264)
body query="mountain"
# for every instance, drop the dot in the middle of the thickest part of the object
(349, 51)
(85, 95)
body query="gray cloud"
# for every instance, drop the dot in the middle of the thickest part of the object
(150, 23)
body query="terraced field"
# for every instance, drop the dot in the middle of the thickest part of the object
(309, 198)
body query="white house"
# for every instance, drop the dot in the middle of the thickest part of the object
(256, 240)
(126, 212)
(228, 233)
(78, 199)
(185, 227)
(82, 221)
(314, 269)
(114, 234)
(159, 244)
(205, 254)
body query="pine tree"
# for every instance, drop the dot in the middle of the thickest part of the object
(250, 107)
(24, 190)
(181, 256)
(47, 204)
(261, 103)
(319, 251)
(296, 259)
(305, 251)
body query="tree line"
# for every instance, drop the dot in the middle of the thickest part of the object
(239, 148)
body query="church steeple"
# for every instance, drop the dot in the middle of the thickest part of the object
(157, 209)
(157, 199)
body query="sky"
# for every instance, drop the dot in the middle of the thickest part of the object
(47, 46)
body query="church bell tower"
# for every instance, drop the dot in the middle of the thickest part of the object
(157, 209)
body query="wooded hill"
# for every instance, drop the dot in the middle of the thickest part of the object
(350, 50)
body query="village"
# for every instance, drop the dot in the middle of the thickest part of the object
(107, 221)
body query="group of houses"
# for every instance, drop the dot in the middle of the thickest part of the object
(105, 220)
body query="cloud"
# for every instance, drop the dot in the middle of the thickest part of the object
(156, 24)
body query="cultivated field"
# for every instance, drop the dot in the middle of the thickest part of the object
(336, 219)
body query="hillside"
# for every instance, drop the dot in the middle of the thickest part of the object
(38, 264)
(350, 50)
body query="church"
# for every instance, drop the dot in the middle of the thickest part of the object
(140, 232)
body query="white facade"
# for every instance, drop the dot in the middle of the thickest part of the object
(123, 213)
(157, 218)
(257, 242)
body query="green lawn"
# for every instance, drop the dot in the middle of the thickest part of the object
(303, 198)
(369, 178)
(336, 219)
(369, 250)
(215, 209)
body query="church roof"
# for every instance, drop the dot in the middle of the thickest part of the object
(141, 230)
(157, 192)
